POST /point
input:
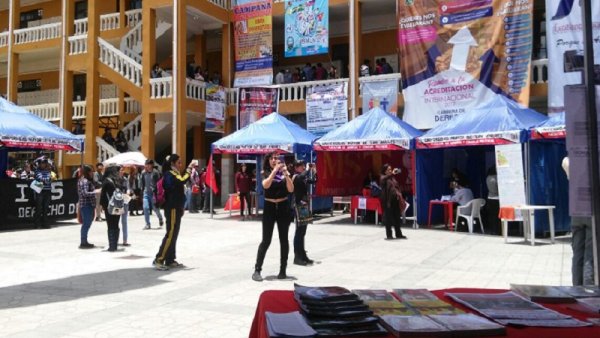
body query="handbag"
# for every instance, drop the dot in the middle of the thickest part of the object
(303, 215)
(195, 189)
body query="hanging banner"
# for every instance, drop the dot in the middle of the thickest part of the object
(335, 167)
(382, 94)
(459, 54)
(564, 34)
(253, 42)
(254, 103)
(511, 180)
(326, 107)
(215, 108)
(17, 201)
(306, 27)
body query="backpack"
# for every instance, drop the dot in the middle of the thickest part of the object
(160, 193)
(116, 202)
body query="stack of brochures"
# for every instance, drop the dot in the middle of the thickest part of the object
(424, 302)
(381, 302)
(291, 324)
(510, 308)
(335, 311)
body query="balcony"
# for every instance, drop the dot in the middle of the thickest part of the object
(225, 3)
(539, 71)
(47, 111)
(108, 108)
(161, 87)
(38, 33)
(110, 21)
(3, 39)
(77, 44)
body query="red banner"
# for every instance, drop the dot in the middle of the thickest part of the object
(343, 173)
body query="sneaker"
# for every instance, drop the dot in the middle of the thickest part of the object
(86, 246)
(257, 277)
(175, 264)
(147, 227)
(159, 266)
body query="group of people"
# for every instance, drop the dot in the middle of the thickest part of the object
(109, 187)
(286, 198)
(119, 143)
(381, 67)
(192, 72)
(307, 73)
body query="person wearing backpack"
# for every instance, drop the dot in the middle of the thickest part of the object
(173, 183)
(149, 181)
(111, 199)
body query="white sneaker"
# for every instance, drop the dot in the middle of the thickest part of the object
(159, 266)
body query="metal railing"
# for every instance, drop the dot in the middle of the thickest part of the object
(39, 33)
(4, 39)
(161, 87)
(539, 71)
(77, 44)
(121, 63)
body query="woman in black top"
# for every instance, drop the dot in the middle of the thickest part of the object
(174, 185)
(278, 185)
(390, 202)
(111, 181)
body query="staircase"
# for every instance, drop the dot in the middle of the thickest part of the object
(133, 132)
(105, 150)
(121, 67)
(131, 43)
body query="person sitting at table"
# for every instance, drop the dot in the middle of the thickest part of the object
(391, 196)
(457, 176)
(462, 194)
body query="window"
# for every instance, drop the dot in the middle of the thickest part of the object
(29, 86)
(33, 15)
(81, 9)
(79, 83)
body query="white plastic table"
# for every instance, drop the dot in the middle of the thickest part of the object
(528, 215)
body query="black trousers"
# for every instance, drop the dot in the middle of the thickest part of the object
(280, 213)
(113, 230)
(166, 253)
(42, 201)
(392, 218)
(245, 196)
(299, 250)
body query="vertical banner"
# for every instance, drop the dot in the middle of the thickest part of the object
(382, 94)
(459, 54)
(215, 108)
(564, 36)
(253, 42)
(254, 103)
(326, 107)
(306, 27)
(511, 180)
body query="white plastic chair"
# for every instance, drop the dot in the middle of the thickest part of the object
(469, 212)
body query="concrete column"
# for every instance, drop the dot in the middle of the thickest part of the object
(199, 135)
(149, 53)
(227, 166)
(179, 76)
(14, 10)
(355, 46)
(226, 59)
(92, 99)
(122, 17)
(200, 50)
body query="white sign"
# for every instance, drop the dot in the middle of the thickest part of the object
(326, 108)
(362, 203)
(511, 181)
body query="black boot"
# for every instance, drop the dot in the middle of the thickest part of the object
(282, 274)
(256, 275)
(308, 260)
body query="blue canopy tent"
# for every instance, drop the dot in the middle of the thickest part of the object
(22, 130)
(272, 133)
(548, 183)
(366, 139)
(467, 143)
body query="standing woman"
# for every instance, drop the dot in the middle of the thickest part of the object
(243, 181)
(174, 186)
(390, 201)
(126, 189)
(278, 185)
(111, 182)
(87, 204)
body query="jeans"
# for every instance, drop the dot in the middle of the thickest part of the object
(124, 221)
(148, 204)
(188, 199)
(245, 201)
(299, 250)
(582, 268)
(87, 217)
(113, 231)
(42, 200)
(280, 213)
(166, 254)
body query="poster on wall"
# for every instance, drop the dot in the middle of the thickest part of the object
(254, 103)
(564, 38)
(511, 180)
(306, 27)
(253, 42)
(457, 55)
(382, 94)
(326, 107)
(215, 108)
(17, 202)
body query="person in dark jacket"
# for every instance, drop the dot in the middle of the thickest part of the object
(111, 182)
(87, 204)
(43, 175)
(243, 182)
(301, 180)
(174, 185)
(390, 202)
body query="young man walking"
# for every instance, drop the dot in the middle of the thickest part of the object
(150, 177)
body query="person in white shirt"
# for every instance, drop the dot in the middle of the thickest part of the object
(280, 78)
(462, 195)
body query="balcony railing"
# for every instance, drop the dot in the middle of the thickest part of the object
(108, 108)
(77, 44)
(378, 78)
(109, 21)
(297, 91)
(161, 88)
(133, 16)
(47, 111)
(195, 89)
(539, 71)
(81, 26)
(3, 39)
(121, 63)
(222, 3)
(39, 33)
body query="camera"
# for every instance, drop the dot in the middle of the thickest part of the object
(396, 171)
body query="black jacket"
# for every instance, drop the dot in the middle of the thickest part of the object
(174, 186)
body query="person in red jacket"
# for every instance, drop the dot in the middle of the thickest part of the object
(243, 182)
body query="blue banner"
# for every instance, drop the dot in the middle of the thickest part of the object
(306, 27)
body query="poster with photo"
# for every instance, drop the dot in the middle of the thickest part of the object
(215, 108)
(306, 27)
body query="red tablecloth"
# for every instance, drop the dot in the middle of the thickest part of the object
(283, 301)
(373, 203)
(448, 212)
